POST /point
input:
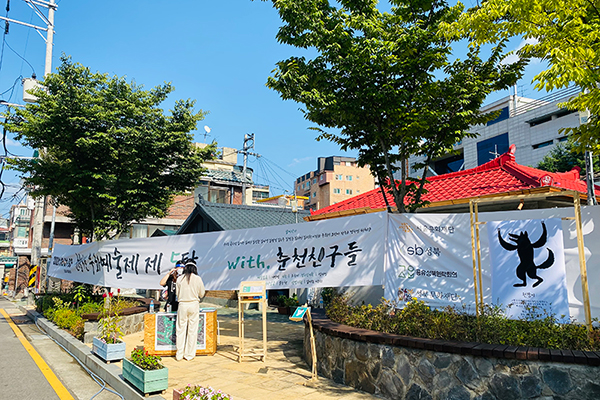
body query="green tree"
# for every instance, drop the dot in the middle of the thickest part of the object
(108, 151)
(564, 33)
(563, 158)
(385, 81)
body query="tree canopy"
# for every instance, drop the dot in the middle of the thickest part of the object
(565, 33)
(563, 158)
(386, 81)
(107, 150)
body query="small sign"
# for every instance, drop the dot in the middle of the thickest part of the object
(299, 314)
(252, 290)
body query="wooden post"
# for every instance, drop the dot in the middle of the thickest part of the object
(582, 265)
(473, 254)
(478, 255)
(313, 347)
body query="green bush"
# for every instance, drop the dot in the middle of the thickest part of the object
(416, 319)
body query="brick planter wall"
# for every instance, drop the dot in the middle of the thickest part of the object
(401, 367)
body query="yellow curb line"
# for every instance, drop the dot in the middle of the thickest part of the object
(58, 387)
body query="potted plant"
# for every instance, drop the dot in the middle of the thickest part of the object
(286, 304)
(145, 372)
(109, 345)
(199, 393)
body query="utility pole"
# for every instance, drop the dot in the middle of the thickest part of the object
(38, 211)
(589, 178)
(248, 144)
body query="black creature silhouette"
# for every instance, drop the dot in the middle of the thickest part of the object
(525, 252)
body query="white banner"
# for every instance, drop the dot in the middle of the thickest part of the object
(528, 267)
(338, 252)
(429, 259)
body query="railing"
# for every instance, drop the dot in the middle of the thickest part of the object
(548, 99)
(21, 242)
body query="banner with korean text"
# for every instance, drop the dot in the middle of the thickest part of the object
(528, 267)
(337, 252)
(429, 259)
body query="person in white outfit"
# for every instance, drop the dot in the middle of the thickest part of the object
(189, 289)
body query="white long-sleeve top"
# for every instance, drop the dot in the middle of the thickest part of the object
(189, 291)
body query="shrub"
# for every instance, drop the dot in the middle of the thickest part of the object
(536, 329)
(146, 361)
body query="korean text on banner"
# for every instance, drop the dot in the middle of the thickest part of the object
(429, 259)
(338, 252)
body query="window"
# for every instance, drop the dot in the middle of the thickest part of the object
(22, 232)
(314, 181)
(501, 117)
(543, 144)
(450, 164)
(348, 191)
(488, 149)
(357, 191)
(314, 194)
(562, 139)
(322, 177)
(139, 231)
(357, 177)
(348, 177)
(336, 191)
(338, 177)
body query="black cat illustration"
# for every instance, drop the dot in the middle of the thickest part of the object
(525, 252)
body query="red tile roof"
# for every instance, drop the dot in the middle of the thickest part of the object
(500, 175)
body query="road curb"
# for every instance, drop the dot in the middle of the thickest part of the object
(110, 373)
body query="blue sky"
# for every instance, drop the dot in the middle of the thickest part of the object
(217, 52)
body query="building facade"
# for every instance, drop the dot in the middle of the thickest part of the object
(223, 181)
(335, 179)
(532, 125)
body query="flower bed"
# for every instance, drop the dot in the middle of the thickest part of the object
(416, 319)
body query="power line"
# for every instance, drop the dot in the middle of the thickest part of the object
(21, 57)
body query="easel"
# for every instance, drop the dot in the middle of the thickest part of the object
(252, 292)
(297, 316)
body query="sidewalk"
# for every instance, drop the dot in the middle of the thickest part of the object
(284, 375)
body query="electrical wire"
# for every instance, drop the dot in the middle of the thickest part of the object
(21, 57)
(95, 377)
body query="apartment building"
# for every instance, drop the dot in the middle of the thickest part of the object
(335, 179)
(533, 125)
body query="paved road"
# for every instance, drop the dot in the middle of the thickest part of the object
(20, 376)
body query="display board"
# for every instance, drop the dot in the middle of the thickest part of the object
(160, 333)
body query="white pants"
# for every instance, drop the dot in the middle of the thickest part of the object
(188, 319)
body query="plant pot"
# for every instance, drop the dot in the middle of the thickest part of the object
(108, 351)
(145, 381)
(283, 310)
(177, 394)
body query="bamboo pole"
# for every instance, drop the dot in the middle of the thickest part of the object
(478, 255)
(474, 256)
(582, 265)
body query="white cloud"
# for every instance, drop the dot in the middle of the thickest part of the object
(513, 56)
(297, 161)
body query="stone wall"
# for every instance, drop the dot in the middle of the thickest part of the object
(398, 372)
(129, 324)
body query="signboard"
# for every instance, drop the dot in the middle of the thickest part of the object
(339, 252)
(166, 336)
(299, 314)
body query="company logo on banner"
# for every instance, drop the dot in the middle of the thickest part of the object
(429, 259)
(338, 252)
(528, 268)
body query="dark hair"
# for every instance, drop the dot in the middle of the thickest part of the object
(190, 268)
